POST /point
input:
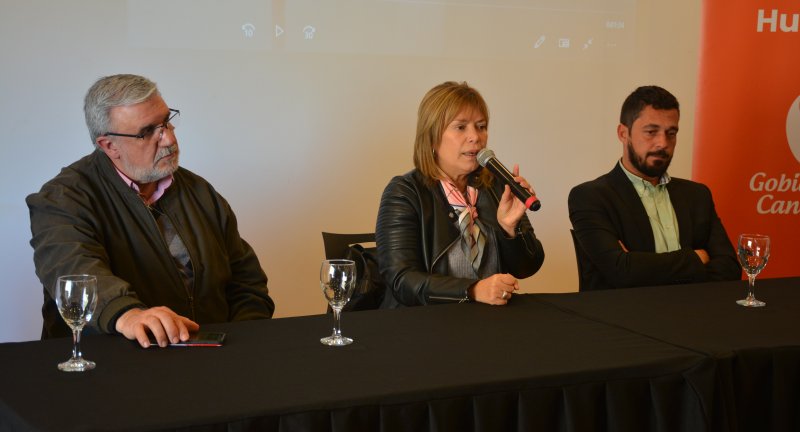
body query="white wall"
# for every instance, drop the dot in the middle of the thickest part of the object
(303, 138)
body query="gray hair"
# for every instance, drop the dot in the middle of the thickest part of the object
(113, 91)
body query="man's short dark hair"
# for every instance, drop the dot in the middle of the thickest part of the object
(642, 97)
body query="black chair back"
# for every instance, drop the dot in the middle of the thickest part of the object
(336, 245)
(370, 288)
(583, 260)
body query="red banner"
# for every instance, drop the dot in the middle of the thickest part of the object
(747, 130)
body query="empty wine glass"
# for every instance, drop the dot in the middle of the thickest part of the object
(337, 279)
(76, 297)
(753, 253)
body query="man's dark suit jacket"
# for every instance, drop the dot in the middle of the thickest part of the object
(607, 210)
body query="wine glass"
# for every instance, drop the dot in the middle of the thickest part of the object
(76, 297)
(753, 253)
(337, 279)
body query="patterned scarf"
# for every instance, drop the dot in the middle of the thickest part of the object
(473, 239)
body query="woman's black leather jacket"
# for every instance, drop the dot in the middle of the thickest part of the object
(415, 228)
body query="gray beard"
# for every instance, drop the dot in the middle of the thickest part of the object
(149, 175)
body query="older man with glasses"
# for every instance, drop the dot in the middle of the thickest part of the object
(162, 242)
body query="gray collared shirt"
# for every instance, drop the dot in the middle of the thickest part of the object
(656, 202)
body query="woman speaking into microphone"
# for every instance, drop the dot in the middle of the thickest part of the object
(448, 230)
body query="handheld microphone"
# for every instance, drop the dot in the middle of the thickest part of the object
(486, 159)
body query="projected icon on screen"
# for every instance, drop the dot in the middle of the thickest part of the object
(563, 43)
(588, 43)
(278, 30)
(248, 30)
(308, 32)
(539, 41)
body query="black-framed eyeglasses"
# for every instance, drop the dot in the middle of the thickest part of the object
(149, 132)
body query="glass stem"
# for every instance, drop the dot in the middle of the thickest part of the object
(751, 287)
(76, 344)
(337, 322)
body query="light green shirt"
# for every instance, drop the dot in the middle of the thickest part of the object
(655, 200)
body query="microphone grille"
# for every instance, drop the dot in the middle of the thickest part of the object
(484, 155)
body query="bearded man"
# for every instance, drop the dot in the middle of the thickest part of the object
(636, 225)
(163, 244)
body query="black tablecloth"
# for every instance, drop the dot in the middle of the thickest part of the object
(757, 350)
(531, 365)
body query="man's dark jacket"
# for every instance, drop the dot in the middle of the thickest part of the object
(87, 220)
(608, 210)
